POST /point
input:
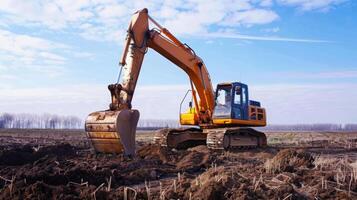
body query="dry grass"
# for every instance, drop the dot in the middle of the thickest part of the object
(347, 140)
(344, 169)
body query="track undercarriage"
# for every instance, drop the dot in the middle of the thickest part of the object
(216, 138)
(235, 138)
(180, 138)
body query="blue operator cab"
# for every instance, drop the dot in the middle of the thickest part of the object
(232, 106)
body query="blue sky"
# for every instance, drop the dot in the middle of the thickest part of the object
(297, 56)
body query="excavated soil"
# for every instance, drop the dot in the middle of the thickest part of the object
(64, 171)
(289, 160)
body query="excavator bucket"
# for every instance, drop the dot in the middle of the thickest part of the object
(113, 131)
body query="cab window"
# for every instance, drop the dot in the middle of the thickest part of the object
(237, 95)
(223, 101)
(224, 96)
(244, 93)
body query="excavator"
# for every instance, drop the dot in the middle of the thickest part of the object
(221, 118)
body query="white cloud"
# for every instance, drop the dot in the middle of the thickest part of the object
(13, 42)
(250, 17)
(83, 54)
(197, 17)
(341, 74)
(271, 30)
(266, 3)
(7, 77)
(209, 42)
(114, 11)
(336, 74)
(308, 5)
(260, 38)
(20, 52)
(107, 20)
(308, 103)
(21, 55)
(53, 58)
(53, 14)
(304, 103)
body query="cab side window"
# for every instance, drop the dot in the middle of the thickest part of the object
(223, 97)
(237, 95)
(244, 95)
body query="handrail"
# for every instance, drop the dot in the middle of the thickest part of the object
(183, 101)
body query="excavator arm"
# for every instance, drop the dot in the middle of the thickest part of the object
(139, 38)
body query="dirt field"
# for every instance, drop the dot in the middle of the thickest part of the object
(59, 164)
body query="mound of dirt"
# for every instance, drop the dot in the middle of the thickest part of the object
(155, 152)
(41, 190)
(27, 154)
(228, 183)
(17, 156)
(194, 159)
(191, 160)
(289, 160)
(212, 184)
(61, 150)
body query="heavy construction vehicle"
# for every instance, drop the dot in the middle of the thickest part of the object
(221, 117)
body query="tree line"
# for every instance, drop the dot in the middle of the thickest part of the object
(44, 121)
(51, 121)
(311, 127)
